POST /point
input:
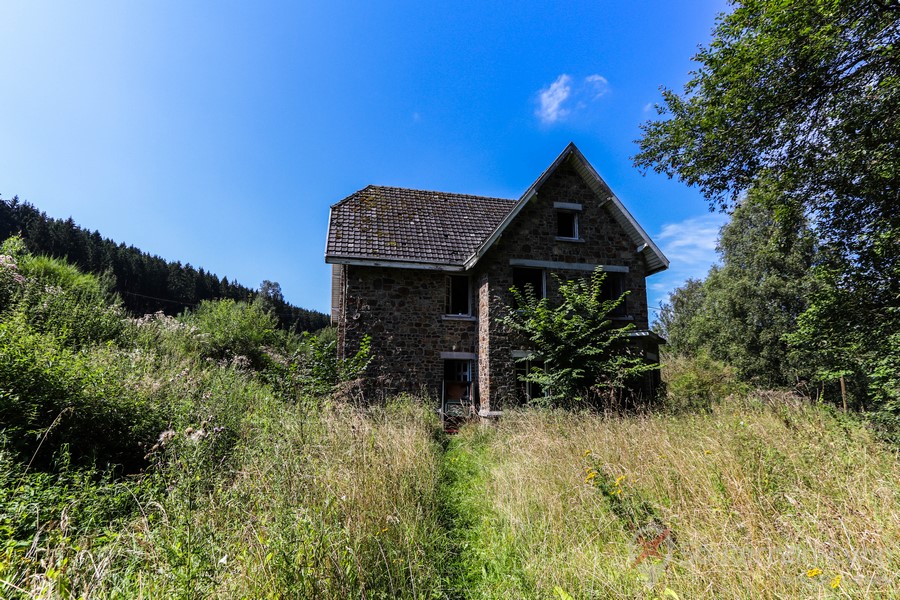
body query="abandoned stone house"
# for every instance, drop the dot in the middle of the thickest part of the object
(427, 275)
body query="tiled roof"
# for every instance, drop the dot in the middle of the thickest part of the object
(398, 224)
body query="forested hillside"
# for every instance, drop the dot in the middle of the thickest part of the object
(146, 283)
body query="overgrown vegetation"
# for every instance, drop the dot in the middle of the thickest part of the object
(791, 115)
(766, 497)
(204, 456)
(586, 360)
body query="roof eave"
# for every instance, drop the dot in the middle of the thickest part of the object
(393, 263)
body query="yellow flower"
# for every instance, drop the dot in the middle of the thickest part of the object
(620, 479)
(586, 453)
(707, 452)
(836, 582)
(815, 572)
(590, 476)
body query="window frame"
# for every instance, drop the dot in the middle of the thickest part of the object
(576, 234)
(449, 303)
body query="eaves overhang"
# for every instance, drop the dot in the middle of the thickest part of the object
(395, 264)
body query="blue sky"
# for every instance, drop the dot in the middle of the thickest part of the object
(219, 133)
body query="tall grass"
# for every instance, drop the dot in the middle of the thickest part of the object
(764, 498)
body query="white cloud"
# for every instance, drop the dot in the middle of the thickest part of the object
(597, 84)
(566, 96)
(551, 99)
(690, 246)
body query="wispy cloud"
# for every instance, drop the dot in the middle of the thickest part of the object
(551, 99)
(598, 85)
(566, 95)
(690, 246)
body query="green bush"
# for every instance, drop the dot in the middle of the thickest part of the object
(230, 330)
(59, 300)
(51, 396)
(695, 382)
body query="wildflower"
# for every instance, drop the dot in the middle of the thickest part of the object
(836, 582)
(620, 479)
(707, 452)
(815, 572)
(586, 453)
(590, 476)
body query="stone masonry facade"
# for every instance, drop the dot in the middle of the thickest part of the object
(404, 308)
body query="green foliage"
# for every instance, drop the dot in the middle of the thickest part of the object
(230, 330)
(746, 306)
(313, 368)
(587, 361)
(694, 382)
(802, 97)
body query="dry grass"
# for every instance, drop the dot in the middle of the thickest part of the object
(755, 495)
(336, 503)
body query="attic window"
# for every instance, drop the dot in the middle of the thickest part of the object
(567, 225)
(458, 295)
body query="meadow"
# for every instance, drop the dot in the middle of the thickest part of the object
(205, 456)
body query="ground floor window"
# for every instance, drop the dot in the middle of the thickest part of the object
(526, 391)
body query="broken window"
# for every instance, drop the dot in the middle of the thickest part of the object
(567, 224)
(613, 287)
(458, 295)
(533, 279)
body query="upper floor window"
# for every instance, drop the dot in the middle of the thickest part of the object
(614, 286)
(525, 278)
(459, 296)
(567, 224)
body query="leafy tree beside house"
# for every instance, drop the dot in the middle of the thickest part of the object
(805, 97)
(587, 361)
(747, 305)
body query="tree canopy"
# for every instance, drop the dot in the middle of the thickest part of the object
(803, 97)
(806, 94)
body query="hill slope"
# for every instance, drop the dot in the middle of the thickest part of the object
(146, 283)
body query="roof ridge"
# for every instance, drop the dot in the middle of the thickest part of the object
(459, 194)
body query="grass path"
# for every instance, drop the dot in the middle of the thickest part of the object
(481, 561)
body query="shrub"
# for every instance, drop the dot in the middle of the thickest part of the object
(232, 329)
(695, 382)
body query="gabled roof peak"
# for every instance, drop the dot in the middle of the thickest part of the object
(656, 260)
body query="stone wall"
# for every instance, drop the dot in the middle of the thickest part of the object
(532, 236)
(402, 310)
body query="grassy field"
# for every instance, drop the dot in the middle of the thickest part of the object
(760, 498)
(202, 457)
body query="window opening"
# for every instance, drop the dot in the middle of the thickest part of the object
(458, 295)
(567, 225)
(613, 287)
(525, 278)
(527, 390)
